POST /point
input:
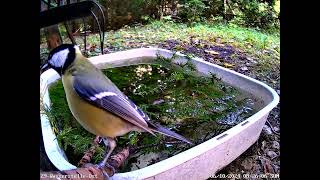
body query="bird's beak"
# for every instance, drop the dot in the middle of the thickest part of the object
(44, 68)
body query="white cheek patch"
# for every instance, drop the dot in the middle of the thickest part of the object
(59, 58)
(77, 48)
(102, 95)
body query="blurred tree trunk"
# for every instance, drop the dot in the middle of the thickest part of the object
(225, 9)
(173, 8)
(53, 37)
(160, 9)
(52, 33)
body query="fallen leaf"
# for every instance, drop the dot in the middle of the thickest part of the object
(267, 130)
(227, 65)
(268, 167)
(247, 164)
(249, 64)
(178, 47)
(263, 145)
(266, 164)
(276, 168)
(244, 68)
(156, 102)
(218, 40)
(272, 154)
(127, 36)
(218, 44)
(275, 145)
(212, 52)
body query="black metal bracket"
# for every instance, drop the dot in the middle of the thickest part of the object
(68, 12)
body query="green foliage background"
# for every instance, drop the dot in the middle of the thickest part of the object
(261, 14)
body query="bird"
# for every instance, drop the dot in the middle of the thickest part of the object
(96, 102)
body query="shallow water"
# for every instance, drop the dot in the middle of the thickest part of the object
(195, 107)
(198, 108)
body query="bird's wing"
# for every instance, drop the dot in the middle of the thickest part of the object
(102, 93)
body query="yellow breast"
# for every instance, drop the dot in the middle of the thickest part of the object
(94, 119)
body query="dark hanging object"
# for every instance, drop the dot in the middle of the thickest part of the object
(57, 14)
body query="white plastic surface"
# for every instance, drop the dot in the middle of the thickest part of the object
(199, 162)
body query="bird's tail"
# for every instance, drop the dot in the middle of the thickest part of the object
(167, 132)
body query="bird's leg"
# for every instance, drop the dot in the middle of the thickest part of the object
(110, 144)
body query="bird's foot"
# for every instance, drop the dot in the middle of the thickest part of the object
(104, 172)
(106, 169)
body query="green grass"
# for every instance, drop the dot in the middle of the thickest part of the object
(262, 46)
(247, 39)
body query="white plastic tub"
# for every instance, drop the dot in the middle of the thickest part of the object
(199, 162)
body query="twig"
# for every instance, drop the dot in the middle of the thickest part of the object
(269, 124)
(77, 30)
(88, 171)
(118, 159)
(275, 157)
(114, 161)
(88, 154)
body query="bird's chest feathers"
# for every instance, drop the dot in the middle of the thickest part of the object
(93, 119)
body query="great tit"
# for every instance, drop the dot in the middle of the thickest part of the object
(96, 102)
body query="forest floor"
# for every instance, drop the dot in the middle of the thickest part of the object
(247, 51)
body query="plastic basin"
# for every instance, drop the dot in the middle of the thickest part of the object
(198, 162)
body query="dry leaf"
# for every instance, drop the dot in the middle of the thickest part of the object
(244, 68)
(227, 65)
(212, 52)
(219, 44)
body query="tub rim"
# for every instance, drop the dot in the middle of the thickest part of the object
(58, 158)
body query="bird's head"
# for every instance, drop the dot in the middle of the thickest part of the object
(61, 57)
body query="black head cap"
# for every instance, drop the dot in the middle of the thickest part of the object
(61, 57)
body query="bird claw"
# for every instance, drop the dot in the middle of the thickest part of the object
(87, 165)
(105, 174)
(103, 168)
